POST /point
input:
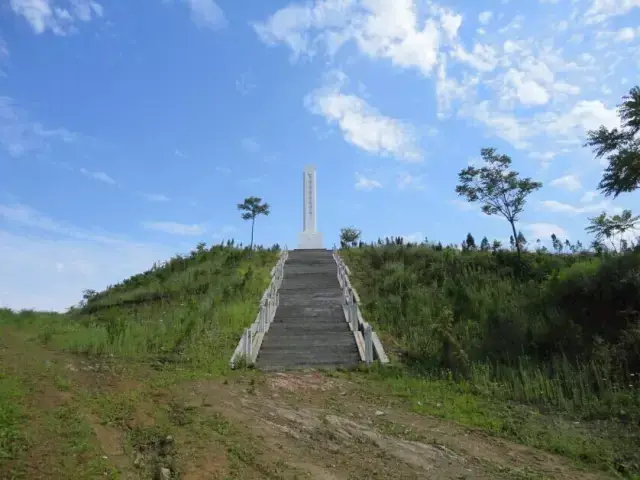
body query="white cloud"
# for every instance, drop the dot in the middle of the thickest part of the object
(4, 49)
(244, 84)
(175, 228)
(544, 230)
(380, 29)
(416, 237)
(26, 216)
(224, 232)
(48, 14)
(567, 182)
(568, 127)
(528, 92)
(463, 205)
(50, 274)
(485, 17)
(156, 197)
(46, 273)
(406, 181)
(482, 57)
(559, 207)
(449, 89)
(600, 10)
(544, 157)
(523, 69)
(101, 176)
(588, 197)
(626, 34)
(583, 116)
(505, 125)
(361, 124)
(19, 134)
(364, 183)
(206, 13)
(251, 145)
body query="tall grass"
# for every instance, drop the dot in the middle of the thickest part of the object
(192, 315)
(560, 332)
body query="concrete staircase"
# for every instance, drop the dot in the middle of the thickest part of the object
(309, 328)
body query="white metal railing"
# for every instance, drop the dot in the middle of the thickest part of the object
(251, 340)
(367, 340)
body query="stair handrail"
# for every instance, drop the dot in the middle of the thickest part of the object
(368, 342)
(251, 339)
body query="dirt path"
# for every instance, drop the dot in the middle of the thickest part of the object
(322, 421)
(96, 420)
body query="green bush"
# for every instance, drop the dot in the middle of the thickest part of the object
(562, 330)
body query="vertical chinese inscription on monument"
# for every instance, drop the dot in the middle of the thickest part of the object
(309, 194)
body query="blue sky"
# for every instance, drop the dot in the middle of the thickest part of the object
(129, 130)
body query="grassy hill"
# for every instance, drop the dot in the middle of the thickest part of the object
(191, 310)
(558, 332)
(135, 378)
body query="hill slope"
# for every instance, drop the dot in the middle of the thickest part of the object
(134, 383)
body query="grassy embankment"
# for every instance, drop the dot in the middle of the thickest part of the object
(182, 320)
(473, 343)
(547, 354)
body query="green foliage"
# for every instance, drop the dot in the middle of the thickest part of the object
(498, 189)
(349, 237)
(621, 148)
(251, 208)
(562, 333)
(190, 311)
(11, 417)
(607, 227)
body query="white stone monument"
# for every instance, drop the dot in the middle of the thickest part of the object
(309, 238)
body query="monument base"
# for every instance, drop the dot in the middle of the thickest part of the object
(309, 240)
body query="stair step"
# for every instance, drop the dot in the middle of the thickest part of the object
(308, 310)
(313, 324)
(295, 359)
(303, 341)
(303, 366)
(308, 330)
(303, 319)
(310, 349)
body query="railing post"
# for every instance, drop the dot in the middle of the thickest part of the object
(368, 344)
(354, 317)
(247, 345)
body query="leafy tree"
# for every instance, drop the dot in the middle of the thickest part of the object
(251, 208)
(522, 241)
(499, 190)
(496, 246)
(469, 243)
(349, 236)
(598, 247)
(607, 227)
(557, 243)
(87, 296)
(621, 148)
(484, 245)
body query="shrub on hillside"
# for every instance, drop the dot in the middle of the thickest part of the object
(602, 297)
(568, 306)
